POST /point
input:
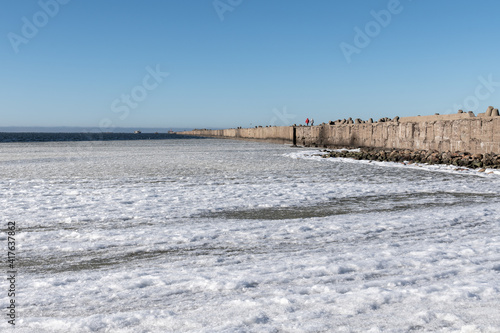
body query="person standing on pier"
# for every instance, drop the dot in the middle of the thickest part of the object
(312, 122)
(307, 122)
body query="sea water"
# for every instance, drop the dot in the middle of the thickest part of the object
(232, 236)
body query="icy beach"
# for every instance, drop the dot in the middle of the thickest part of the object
(231, 236)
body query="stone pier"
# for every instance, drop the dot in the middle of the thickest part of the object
(455, 132)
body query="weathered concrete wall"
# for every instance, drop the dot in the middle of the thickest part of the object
(471, 134)
(475, 135)
(283, 134)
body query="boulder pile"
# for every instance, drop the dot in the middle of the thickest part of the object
(361, 121)
(461, 159)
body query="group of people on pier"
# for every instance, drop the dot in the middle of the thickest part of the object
(309, 122)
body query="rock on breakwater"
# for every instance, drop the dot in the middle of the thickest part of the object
(461, 159)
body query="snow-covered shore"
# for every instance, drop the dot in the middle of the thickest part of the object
(223, 236)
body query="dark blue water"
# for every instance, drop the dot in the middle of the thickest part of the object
(47, 137)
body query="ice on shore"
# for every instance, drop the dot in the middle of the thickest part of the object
(222, 236)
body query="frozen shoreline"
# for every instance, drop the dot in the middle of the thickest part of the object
(221, 236)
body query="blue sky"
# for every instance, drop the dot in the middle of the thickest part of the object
(243, 63)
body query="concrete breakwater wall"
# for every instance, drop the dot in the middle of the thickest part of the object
(282, 134)
(477, 135)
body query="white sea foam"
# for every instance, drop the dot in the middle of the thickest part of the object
(222, 236)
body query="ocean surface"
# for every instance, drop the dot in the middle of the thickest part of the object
(80, 136)
(232, 236)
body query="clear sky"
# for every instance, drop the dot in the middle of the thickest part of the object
(243, 63)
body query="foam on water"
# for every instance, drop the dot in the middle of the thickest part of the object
(223, 236)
